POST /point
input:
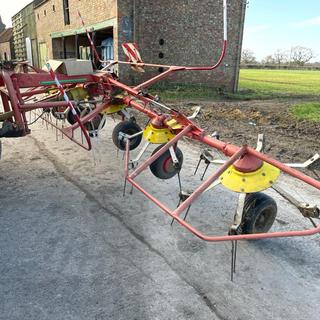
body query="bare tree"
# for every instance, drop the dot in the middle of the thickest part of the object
(280, 57)
(301, 55)
(268, 60)
(247, 57)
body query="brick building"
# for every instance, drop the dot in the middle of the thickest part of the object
(25, 35)
(175, 32)
(6, 44)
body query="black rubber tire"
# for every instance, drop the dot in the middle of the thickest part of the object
(71, 118)
(259, 214)
(163, 167)
(91, 125)
(126, 127)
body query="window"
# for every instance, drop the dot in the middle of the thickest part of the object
(66, 12)
(53, 8)
(107, 49)
(45, 12)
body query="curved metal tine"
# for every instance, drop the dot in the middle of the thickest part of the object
(260, 142)
(57, 132)
(180, 195)
(234, 249)
(205, 171)
(305, 164)
(195, 172)
(213, 185)
(195, 113)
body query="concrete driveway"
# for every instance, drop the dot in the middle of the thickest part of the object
(72, 247)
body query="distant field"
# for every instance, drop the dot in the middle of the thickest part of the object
(280, 82)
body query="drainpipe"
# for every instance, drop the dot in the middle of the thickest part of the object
(241, 31)
(135, 20)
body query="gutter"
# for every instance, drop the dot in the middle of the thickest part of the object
(241, 31)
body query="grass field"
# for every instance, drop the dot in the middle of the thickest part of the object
(306, 111)
(253, 84)
(279, 83)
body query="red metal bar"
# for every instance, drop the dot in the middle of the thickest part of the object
(74, 113)
(204, 237)
(222, 55)
(158, 78)
(13, 100)
(184, 205)
(171, 143)
(292, 172)
(5, 102)
(43, 105)
(257, 236)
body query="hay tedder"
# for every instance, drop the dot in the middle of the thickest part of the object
(78, 106)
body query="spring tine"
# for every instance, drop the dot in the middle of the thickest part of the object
(197, 166)
(172, 221)
(234, 249)
(124, 187)
(131, 191)
(232, 260)
(46, 122)
(235, 256)
(205, 171)
(57, 133)
(180, 185)
(50, 120)
(187, 213)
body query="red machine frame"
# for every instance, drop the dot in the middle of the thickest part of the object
(19, 88)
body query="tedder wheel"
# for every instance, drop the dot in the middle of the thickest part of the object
(164, 168)
(92, 125)
(70, 117)
(57, 111)
(259, 214)
(130, 128)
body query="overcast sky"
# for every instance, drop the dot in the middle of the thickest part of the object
(270, 24)
(9, 8)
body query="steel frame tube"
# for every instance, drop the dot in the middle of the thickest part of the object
(292, 172)
(184, 205)
(160, 152)
(199, 234)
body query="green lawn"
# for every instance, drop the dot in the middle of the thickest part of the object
(253, 84)
(306, 111)
(280, 83)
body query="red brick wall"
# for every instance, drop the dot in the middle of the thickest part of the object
(93, 11)
(192, 32)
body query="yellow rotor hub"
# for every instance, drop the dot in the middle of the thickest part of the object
(157, 136)
(116, 105)
(249, 182)
(113, 108)
(174, 124)
(77, 93)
